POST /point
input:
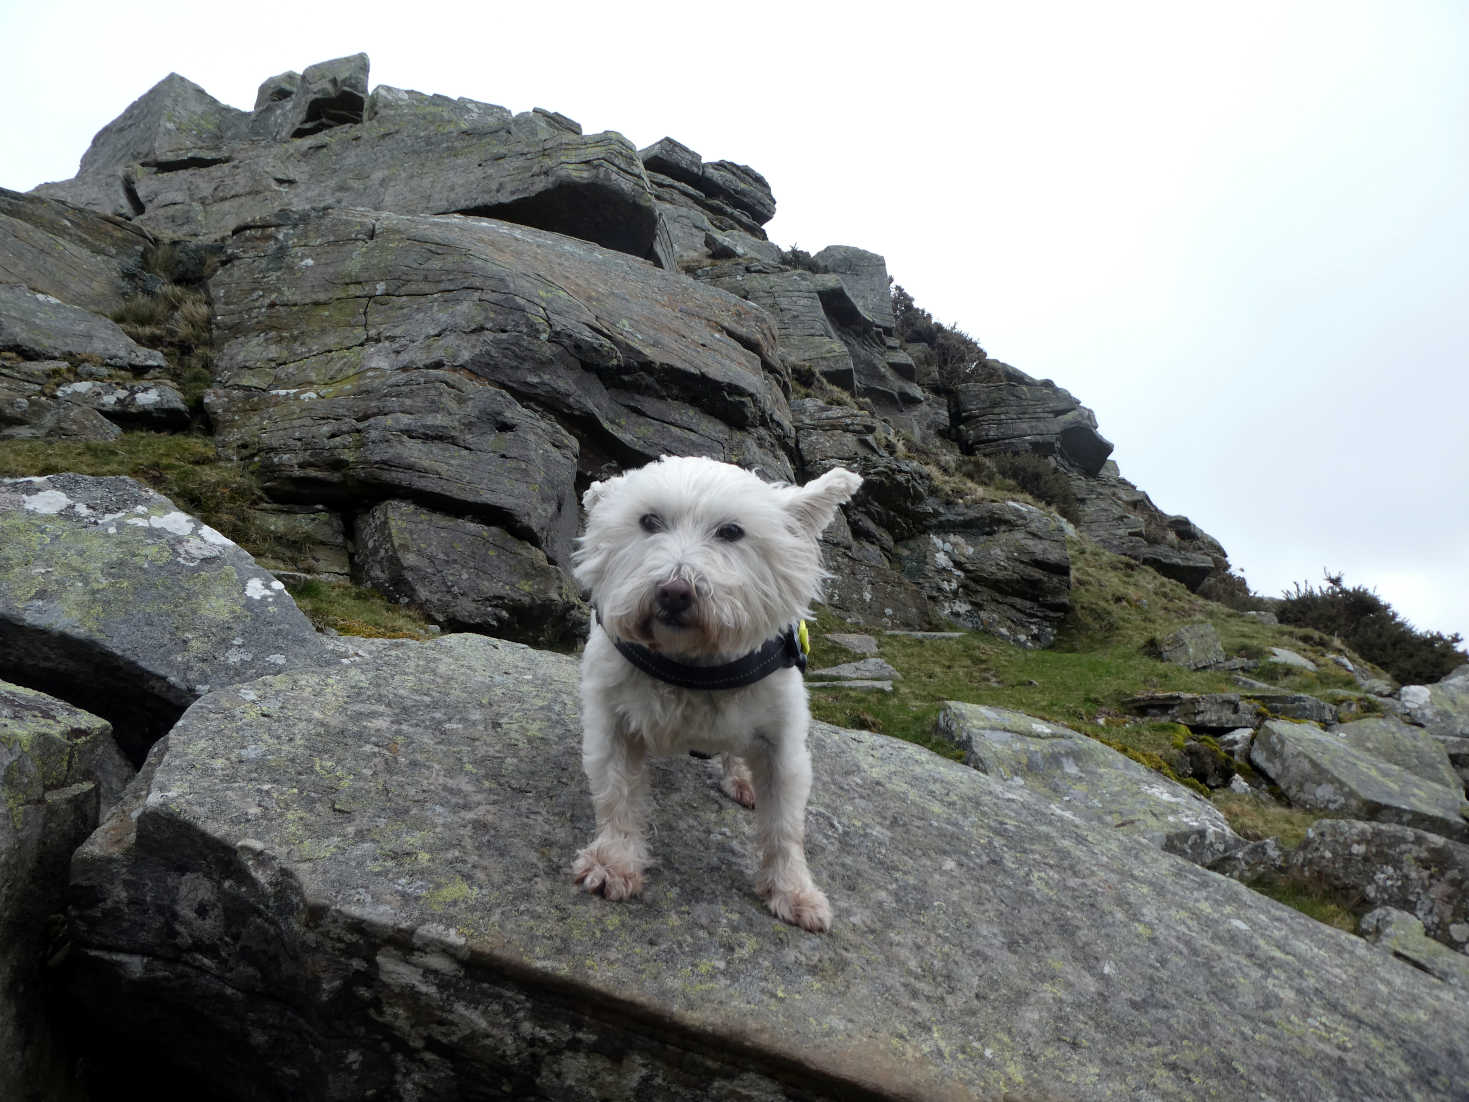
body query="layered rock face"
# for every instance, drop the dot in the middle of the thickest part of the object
(444, 305)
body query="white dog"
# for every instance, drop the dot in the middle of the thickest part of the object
(698, 572)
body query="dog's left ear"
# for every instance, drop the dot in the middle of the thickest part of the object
(815, 504)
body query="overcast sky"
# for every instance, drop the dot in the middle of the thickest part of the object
(1239, 233)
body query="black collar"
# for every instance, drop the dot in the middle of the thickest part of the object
(775, 654)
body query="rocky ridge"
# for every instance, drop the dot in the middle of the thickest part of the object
(424, 337)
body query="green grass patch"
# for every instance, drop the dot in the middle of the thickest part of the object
(1100, 660)
(354, 610)
(177, 321)
(182, 466)
(1116, 602)
(1310, 899)
(1257, 819)
(1081, 690)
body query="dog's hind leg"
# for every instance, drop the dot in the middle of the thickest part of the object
(782, 775)
(613, 864)
(736, 782)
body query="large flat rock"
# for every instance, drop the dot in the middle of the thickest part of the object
(354, 882)
(1410, 748)
(37, 326)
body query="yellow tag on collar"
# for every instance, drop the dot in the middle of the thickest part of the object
(803, 637)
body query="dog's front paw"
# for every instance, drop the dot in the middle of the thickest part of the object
(602, 874)
(804, 907)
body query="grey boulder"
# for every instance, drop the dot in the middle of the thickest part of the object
(154, 404)
(1222, 712)
(1411, 748)
(467, 576)
(727, 188)
(999, 567)
(1087, 781)
(865, 275)
(1443, 707)
(1393, 866)
(59, 769)
(1009, 411)
(36, 326)
(118, 602)
(77, 256)
(1326, 772)
(1193, 646)
(297, 105)
(30, 410)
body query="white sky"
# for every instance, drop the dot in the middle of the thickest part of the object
(1240, 233)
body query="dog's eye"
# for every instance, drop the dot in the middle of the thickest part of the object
(651, 522)
(729, 533)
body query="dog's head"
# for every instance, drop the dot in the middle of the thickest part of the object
(698, 558)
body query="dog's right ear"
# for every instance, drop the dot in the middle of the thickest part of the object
(598, 490)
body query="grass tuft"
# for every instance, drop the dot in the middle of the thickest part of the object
(355, 610)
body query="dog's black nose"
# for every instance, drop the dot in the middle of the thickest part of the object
(674, 596)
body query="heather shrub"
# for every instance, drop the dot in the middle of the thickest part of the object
(1039, 477)
(1370, 626)
(945, 356)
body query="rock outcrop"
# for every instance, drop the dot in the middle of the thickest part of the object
(1004, 410)
(1124, 520)
(353, 882)
(181, 164)
(374, 345)
(997, 567)
(1216, 713)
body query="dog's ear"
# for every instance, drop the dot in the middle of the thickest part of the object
(596, 491)
(815, 504)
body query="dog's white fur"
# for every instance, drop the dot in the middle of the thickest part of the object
(745, 590)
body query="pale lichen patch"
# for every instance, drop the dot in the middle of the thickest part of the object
(47, 502)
